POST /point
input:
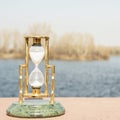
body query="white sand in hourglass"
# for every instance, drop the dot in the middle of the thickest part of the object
(36, 78)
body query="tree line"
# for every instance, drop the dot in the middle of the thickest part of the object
(70, 46)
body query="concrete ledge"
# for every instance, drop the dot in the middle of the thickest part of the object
(76, 109)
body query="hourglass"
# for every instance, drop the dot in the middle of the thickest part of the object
(32, 104)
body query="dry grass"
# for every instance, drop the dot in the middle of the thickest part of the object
(114, 50)
(78, 47)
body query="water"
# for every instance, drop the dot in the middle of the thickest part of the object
(73, 78)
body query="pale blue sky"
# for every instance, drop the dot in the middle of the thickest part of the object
(100, 18)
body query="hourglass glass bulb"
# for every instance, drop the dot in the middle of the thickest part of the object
(36, 54)
(36, 78)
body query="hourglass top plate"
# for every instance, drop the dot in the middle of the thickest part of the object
(36, 36)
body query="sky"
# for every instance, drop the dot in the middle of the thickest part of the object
(101, 18)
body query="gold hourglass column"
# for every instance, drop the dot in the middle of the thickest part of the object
(20, 83)
(52, 83)
(26, 63)
(46, 63)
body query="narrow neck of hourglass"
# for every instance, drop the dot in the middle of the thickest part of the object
(36, 65)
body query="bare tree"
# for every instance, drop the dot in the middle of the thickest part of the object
(6, 37)
(18, 42)
(41, 29)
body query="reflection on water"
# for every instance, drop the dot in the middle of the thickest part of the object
(73, 78)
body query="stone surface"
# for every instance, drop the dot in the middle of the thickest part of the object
(76, 108)
(35, 109)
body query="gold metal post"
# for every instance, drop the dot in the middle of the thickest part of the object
(26, 63)
(20, 82)
(20, 85)
(46, 63)
(52, 83)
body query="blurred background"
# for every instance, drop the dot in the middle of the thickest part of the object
(84, 44)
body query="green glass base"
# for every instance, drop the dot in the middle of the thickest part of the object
(35, 109)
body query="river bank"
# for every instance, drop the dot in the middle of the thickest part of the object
(56, 56)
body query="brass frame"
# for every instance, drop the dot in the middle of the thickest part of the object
(47, 67)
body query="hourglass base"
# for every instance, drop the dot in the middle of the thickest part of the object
(35, 109)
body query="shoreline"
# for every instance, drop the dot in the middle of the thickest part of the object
(60, 57)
